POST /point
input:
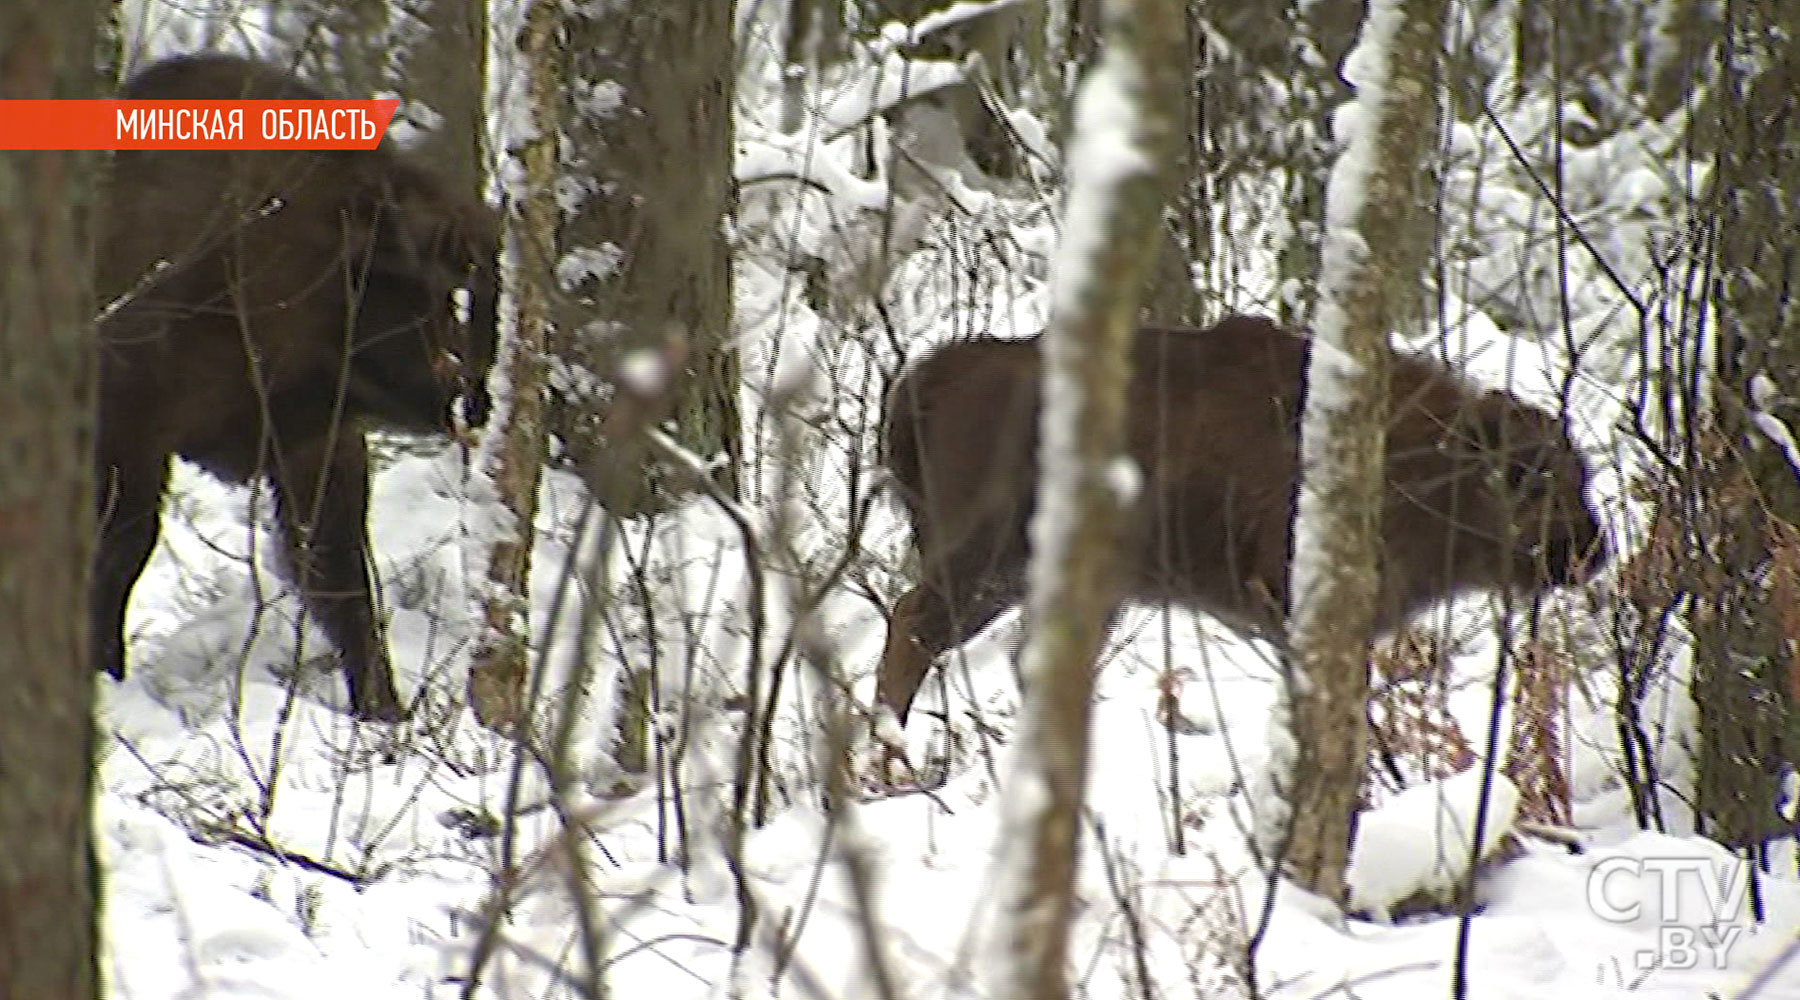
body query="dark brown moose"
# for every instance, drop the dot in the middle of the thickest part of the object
(259, 310)
(1483, 490)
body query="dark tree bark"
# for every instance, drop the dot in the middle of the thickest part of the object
(1747, 671)
(649, 124)
(342, 44)
(48, 884)
(433, 53)
(443, 60)
(813, 38)
(1304, 46)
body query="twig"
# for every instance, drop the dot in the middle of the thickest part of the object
(229, 833)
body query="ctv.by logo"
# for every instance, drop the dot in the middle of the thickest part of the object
(1699, 906)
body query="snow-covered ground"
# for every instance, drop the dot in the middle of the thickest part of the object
(186, 917)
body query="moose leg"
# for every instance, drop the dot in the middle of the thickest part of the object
(128, 494)
(322, 496)
(926, 622)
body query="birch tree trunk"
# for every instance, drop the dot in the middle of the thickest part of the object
(49, 887)
(1372, 264)
(1123, 143)
(512, 454)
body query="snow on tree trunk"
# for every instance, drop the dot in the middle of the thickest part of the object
(48, 883)
(512, 452)
(1124, 140)
(1372, 259)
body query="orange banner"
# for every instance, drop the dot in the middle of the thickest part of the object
(194, 124)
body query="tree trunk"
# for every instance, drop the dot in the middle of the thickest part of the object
(644, 255)
(342, 44)
(512, 453)
(49, 887)
(1171, 295)
(1325, 33)
(1373, 255)
(443, 58)
(642, 260)
(1745, 673)
(1111, 228)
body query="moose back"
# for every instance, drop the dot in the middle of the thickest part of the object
(259, 310)
(1483, 491)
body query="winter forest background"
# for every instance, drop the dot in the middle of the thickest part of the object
(637, 618)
